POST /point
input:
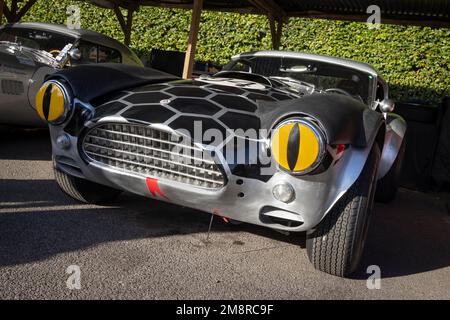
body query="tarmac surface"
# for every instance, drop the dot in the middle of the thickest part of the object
(138, 248)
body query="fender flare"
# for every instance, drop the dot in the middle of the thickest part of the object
(394, 138)
(344, 120)
(349, 174)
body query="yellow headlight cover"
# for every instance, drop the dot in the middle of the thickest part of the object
(296, 145)
(50, 102)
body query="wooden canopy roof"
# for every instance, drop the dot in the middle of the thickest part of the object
(435, 13)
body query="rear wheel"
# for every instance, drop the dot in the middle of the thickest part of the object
(84, 190)
(337, 243)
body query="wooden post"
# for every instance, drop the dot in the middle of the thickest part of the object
(192, 41)
(24, 10)
(129, 26)
(1, 12)
(14, 14)
(6, 11)
(276, 30)
(126, 26)
(13, 11)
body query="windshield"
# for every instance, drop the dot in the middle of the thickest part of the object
(35, 39)
(321, 75)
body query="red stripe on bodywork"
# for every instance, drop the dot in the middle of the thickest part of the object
(340, 148)
(217, 213)
(154, 189)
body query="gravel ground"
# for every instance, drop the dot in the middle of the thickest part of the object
(138, 248)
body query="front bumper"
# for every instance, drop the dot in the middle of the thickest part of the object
(243, 199)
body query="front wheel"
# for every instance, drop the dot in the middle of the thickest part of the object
(335, 246)
(84, 190)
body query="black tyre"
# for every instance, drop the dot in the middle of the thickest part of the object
(387, 186)
(84, 190)
(337, 243)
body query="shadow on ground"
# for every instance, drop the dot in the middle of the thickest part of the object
(30, 144)
(407, 237)
(36, 225)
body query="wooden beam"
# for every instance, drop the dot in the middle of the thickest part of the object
(424, 21)
(13, 11)
(272, 7)
(126, 26)
(19, 15)
(6, 11)
(269, 7)
(14, 14)
(129, 26)
(192, 41)
(1, 11)
(243, 9)
(120, 18)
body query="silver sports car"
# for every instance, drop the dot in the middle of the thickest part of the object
(30, 51)
(290, 141)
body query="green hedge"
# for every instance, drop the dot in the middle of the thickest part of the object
(414, 60)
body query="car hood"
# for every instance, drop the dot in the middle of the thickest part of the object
(141, 95)
(193, 105)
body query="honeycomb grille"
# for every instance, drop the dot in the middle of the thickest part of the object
(152, 153)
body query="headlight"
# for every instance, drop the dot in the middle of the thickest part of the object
(297, 145)
(53, 104)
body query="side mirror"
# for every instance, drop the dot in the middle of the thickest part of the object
(387, 105)
(75, 54)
